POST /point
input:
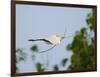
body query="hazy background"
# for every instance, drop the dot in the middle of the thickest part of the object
(42, 21)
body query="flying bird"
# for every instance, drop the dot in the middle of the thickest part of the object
(52, 40)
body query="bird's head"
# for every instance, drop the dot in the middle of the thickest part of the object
(61, 36)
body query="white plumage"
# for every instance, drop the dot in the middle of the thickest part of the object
(55, 39)
(52, 40)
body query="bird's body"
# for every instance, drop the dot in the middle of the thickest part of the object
(54, 39)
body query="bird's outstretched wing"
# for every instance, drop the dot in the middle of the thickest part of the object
(48, 49)
(46, 41)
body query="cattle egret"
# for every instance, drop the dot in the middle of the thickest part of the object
(52, 40)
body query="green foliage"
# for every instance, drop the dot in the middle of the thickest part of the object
(40, 67)
(56, 68)
(90, 21)
(34, 48)
(64, 61)
(20, 56)
(83, 53)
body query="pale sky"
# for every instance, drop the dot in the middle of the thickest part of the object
(41, 21)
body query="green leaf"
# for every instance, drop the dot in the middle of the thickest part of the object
(39, 67)
(20, 55)
(68, 47)
(34, 48)
(64, 61)
(56, 68)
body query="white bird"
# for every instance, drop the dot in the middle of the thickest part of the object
(52, 40)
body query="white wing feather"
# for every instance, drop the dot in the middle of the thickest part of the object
(53, 39)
